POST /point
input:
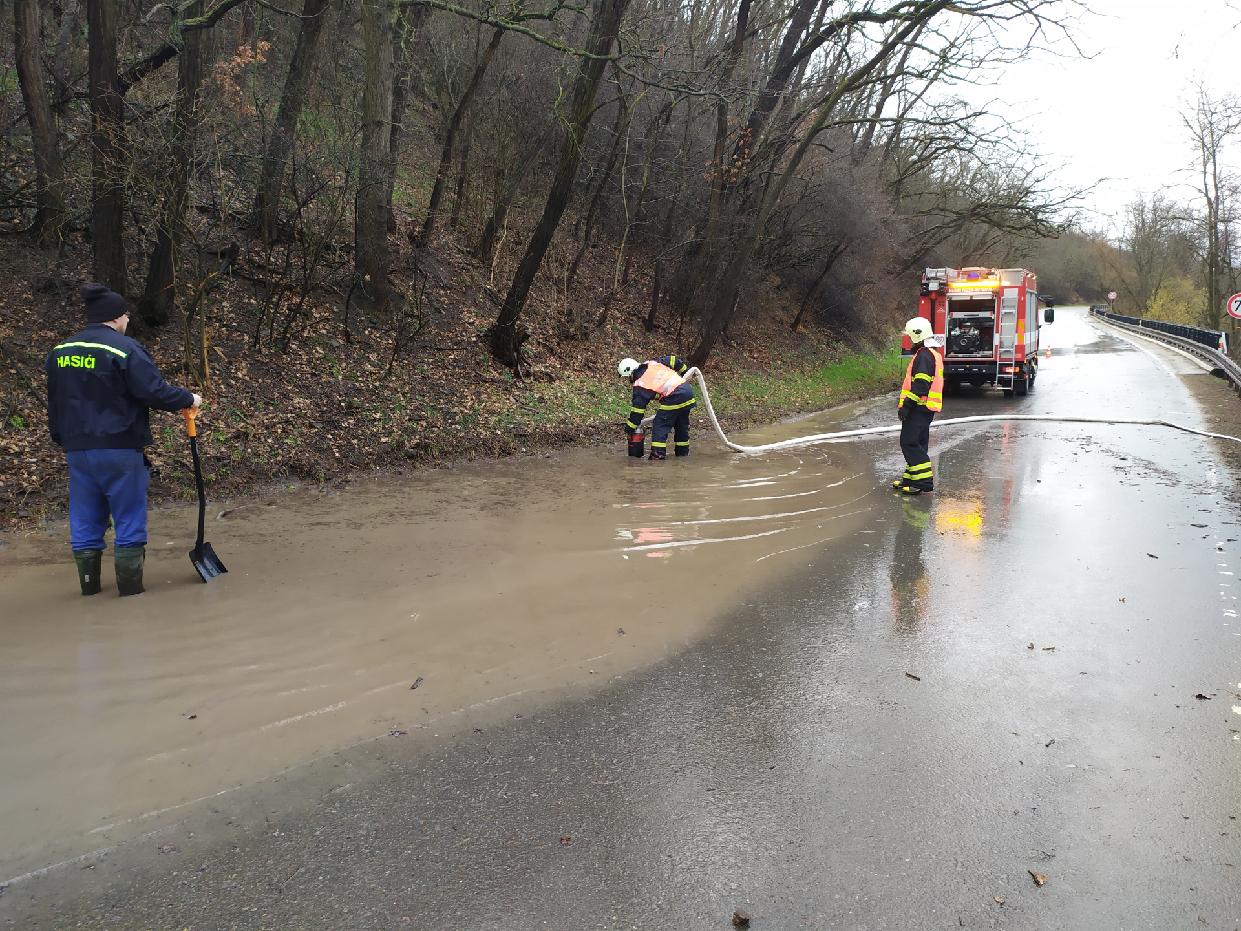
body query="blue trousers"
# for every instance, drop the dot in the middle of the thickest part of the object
(103, 483)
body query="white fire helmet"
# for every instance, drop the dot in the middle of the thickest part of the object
(918, 329)
(627, 367)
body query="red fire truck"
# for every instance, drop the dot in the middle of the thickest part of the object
(988, 320)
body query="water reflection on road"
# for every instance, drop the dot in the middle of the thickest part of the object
(489, 585)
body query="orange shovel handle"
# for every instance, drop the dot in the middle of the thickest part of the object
(191, 427)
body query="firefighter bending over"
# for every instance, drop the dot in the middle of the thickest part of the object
(922, 396)
(661, 380)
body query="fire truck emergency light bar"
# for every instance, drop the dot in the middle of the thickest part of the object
(978, 284)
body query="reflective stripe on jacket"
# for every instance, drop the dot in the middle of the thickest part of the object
(681, 398)
(924, 380)
(660, 379)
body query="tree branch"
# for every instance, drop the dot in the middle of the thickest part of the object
(172, 48)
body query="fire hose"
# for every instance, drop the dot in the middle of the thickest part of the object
(846, 435)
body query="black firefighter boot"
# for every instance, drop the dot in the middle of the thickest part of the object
(129, 560)
(88, 569)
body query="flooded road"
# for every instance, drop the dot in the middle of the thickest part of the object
(831, 707)
(491, 586)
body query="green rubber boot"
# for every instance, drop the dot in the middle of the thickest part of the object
(88, 569)
(129, 560)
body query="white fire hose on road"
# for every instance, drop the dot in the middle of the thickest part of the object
(845, 435)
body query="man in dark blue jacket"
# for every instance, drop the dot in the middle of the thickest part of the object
(101, 386)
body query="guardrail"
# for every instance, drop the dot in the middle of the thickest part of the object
(1212, 339)
(1202, 343)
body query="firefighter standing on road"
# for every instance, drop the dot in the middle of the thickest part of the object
(101, 386)
(922, 396)
(661, 379)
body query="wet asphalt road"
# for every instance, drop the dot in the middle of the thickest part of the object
(1061, 601)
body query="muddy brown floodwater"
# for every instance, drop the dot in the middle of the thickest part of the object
(491, 588)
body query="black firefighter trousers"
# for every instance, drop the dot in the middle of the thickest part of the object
(676, 422)
(915, 444)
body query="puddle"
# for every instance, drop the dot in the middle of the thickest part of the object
(490, 586)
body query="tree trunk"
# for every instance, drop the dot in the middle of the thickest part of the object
(266, 212)
(107, 147)
(408, 24)
(1215, 290)
(634, 220)
(506, 337)
(450, 137)
(507, 180)
(463, 173)
(160, 295)
(833, 254)
(703, 255)
(653, 312)
(70, 30)
(618, 133)
(248, 28)
(371, 212)
(49, 217)
(733, 56)
(485, 250)
(733, 174)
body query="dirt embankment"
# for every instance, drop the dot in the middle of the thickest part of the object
(1221, 408)
(344, 396)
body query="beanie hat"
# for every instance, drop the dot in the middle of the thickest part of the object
(102, 304)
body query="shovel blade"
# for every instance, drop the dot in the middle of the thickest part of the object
(206, 562)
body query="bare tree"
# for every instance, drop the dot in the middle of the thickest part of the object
(785, 122)
(108, 159)
(605, 178)
(409, 23)
(371, 256)
(49, 218)
(1155, 243)
(157, 301)
(752, 205)
(506, 335)
(450, 134)
(267, 198)
(1212, 124)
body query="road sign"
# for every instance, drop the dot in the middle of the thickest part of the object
(1234, 306)
(1112, 295)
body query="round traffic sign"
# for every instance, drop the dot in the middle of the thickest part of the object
(1234, 306)
(1112, 295)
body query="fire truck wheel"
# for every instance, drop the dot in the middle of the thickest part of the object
(1022, 387)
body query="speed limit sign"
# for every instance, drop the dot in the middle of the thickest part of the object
(1111, 295)
(1234, 306)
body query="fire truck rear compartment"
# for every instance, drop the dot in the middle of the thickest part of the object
(970, 342)
(971, 337)
(971, 330)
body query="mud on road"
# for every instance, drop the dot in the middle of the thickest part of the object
(398, 609)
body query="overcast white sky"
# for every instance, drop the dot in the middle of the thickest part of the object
(1117, 115)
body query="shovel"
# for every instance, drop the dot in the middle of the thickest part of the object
(205, 561)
